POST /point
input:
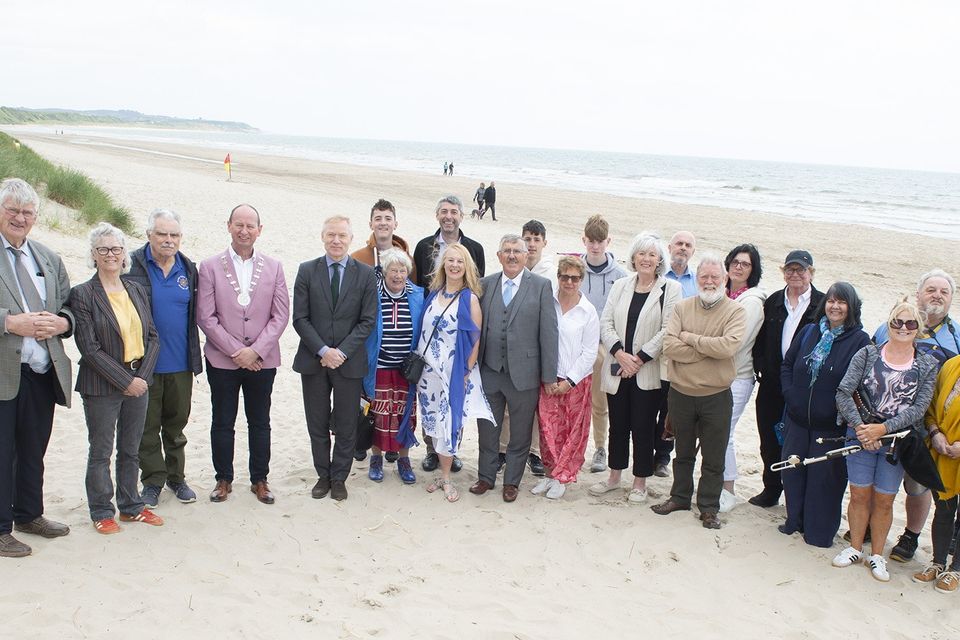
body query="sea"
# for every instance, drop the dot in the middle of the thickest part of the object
(922, 202)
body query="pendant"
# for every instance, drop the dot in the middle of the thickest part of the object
(243, 299)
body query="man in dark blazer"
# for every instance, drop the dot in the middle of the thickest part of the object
(519, 344)
(426, 259)
(785, 312)
(34, 370)
(334, 310)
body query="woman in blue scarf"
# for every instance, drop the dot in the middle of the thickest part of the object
(812, 370)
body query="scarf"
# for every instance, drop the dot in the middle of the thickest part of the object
(818, 356)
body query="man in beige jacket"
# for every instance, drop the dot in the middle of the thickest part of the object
(702, 339)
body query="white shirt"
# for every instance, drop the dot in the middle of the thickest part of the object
(793, 318)
(579, 335)
(244, 269)
(31, 352)
(547, 269)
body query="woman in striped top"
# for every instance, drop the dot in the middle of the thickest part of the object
(398, 325)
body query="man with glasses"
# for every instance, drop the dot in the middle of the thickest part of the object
(35, 372)
(785, 312)
(938, 338)
(426, 259)
(519, 346)
(170, 279)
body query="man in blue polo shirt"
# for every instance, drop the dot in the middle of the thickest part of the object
(682, 247)
(939, 338)
(171, 281)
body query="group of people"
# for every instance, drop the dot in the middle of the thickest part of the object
(448, 168)
(661, 358)
(486, 199)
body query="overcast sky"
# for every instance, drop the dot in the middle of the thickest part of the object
(840, 82)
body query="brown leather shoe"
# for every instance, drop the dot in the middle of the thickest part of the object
(338, 490)
(221, 491)
(43, 527)
(10, 547)
(480, 487)
(262, 489)
(668, 507)
(321, 489)
(710, 520)
(510, 492)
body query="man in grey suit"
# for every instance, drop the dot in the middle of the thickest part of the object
(34, 370)
(334, 310)
(518, 350)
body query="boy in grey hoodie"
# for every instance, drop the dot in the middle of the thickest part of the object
(602, 271)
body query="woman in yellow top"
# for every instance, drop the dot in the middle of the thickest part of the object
(118, 347)
(943, 424)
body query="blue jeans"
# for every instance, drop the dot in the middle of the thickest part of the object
(108, 415)
(870, 468)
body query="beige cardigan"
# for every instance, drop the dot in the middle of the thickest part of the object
(648, 337)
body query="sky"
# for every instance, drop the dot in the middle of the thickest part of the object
(868, 83)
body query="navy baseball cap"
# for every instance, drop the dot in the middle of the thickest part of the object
(799, 256)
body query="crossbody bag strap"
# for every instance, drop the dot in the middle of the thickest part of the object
(436, 322)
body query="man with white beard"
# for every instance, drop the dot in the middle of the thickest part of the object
(702, 338)
(939, 339)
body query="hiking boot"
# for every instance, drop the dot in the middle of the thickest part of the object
(599, 460)
(904, 549)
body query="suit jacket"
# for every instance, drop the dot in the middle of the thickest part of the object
(58, 290)
(346, 326)
(533, 335)
(102, 371)
(140, 275)
(230, 327)
(767, 353)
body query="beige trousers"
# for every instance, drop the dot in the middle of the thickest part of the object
(601, 420)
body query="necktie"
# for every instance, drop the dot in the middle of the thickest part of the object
(335, 283)
(507, 292)
(30, 293)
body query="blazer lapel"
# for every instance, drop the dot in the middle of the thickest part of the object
(348, 278)
(323, 281)
(9, 277)
(102, 301)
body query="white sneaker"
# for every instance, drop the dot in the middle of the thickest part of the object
(728, 501)
(556, 491)
(599, 461)
(878, 567)
(542, 486)
(847, 557)
(636, 496)
(602, 487)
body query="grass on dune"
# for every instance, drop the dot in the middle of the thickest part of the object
(66, 186)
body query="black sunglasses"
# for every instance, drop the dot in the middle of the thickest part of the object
(909, 325)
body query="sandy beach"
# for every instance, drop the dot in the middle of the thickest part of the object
(393, 561)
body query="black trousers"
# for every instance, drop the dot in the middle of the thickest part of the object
(317, 389)
(662, 448)
(943, 532)
(225, 386)
(25, 425)
(769, 405)
(633, 417)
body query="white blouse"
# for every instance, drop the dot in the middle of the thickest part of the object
(579, 336)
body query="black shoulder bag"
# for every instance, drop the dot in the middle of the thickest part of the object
(412, 366)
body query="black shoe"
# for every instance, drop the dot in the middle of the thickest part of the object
(765, 499)
(391, 456)
(456, 465)
(501, 462)
(866, 536)
(904, 549)
(536, 465)
(788, 530)
(359, 455)
(430, 462)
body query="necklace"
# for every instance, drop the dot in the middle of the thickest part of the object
(447, 295)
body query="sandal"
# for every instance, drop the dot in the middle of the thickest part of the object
(106, 526)
(434, 484)
(450, 491)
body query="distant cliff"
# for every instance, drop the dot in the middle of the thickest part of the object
(20, 115)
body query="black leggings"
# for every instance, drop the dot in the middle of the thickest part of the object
(943, 532)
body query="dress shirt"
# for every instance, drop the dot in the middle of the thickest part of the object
(244, 269)
(793, 318)
(31, 352)
(579, 335)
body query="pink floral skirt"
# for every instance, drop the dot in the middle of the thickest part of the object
(564, 430)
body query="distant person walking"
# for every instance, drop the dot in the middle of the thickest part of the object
(446, 168)
(489, 202)
(451, 168)
(478, 198)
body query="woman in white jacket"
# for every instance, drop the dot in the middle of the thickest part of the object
(743, 276)
(631, 330)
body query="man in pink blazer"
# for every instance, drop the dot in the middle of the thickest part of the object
(242, 306)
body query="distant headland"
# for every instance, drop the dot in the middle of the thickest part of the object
(116, 118)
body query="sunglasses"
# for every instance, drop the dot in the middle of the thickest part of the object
(566, 278)
(909, 325)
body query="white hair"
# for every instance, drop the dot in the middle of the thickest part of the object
(107, 230)
(644, 241)
(161, 214)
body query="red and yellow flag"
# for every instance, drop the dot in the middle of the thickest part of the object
(226, 166)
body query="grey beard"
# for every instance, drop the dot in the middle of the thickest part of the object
(935, 310)
(710, 299)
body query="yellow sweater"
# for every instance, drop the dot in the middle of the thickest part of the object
(949, 423)
(701, 344)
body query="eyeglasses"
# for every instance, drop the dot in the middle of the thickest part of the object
(909, 325)
(102, 251)
(513, 252)
(166, 236)
(743, 264)
(26, 213)
(567, 278)
(794, 271)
